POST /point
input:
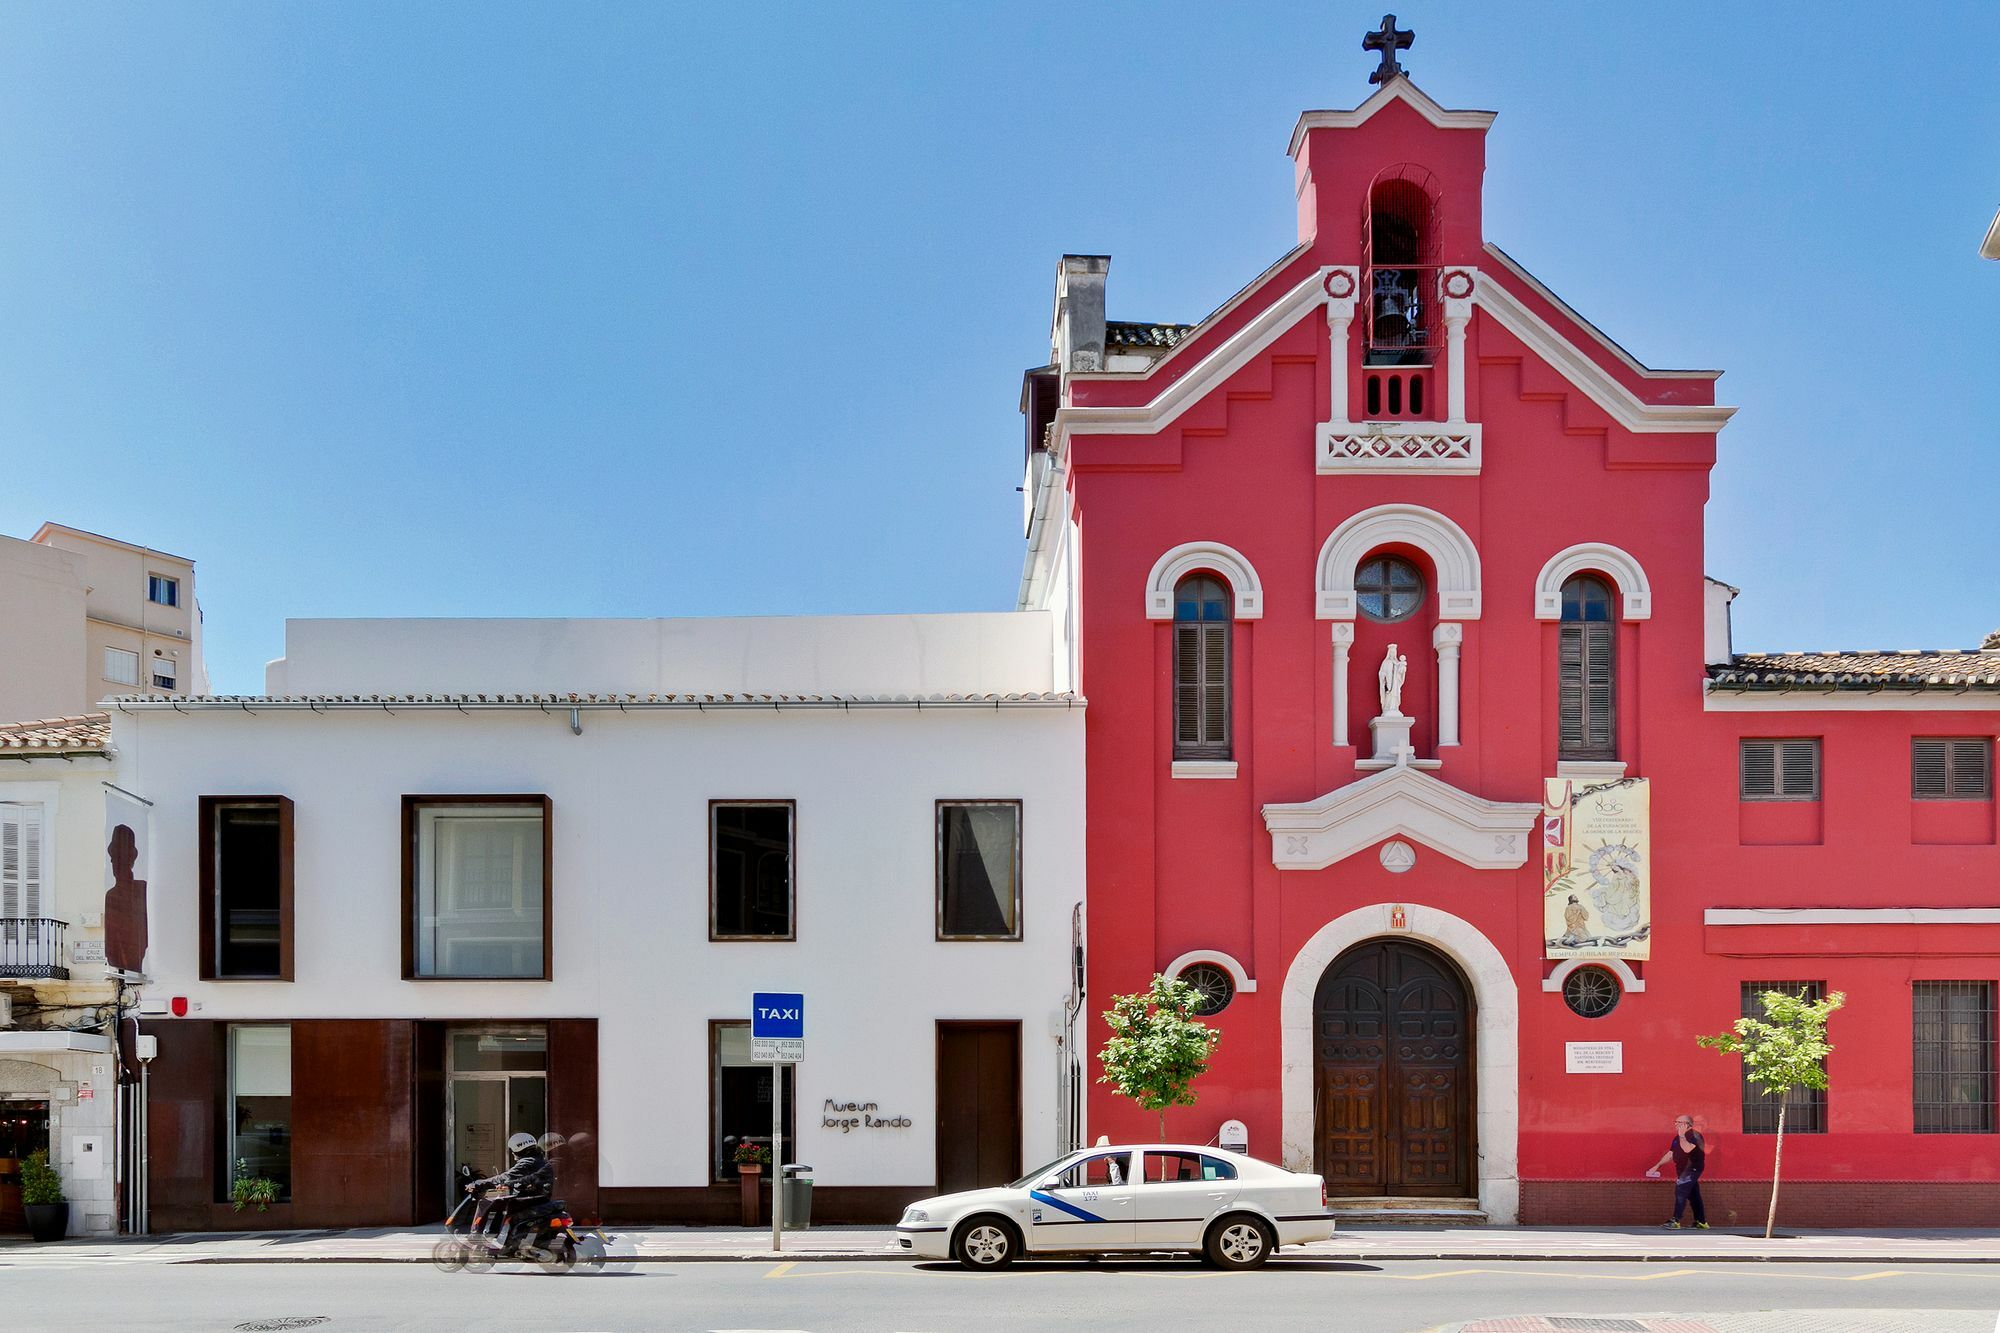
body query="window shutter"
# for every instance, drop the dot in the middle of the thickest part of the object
(1971, 767)
(1927, 768)
(1187, 684)
(1759, 769)
(1569, 690)
(1215, 686)
(1798, 769)
(1587, 691)
(20, 860)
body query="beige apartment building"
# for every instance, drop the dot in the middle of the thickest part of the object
(84, 617)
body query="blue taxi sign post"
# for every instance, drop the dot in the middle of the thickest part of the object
(777, 1038)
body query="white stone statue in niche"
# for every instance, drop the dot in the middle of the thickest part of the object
(1394, 669)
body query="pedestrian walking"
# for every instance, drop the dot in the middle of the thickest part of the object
(1689, 1156)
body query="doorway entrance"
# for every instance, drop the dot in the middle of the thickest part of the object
(1392, 1042)
(978, 1105)
(496, 1086)
(24, 1128)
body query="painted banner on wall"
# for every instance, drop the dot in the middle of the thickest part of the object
(1597, 849)
(127, 826)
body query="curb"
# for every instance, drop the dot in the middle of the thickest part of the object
(1280, 1260)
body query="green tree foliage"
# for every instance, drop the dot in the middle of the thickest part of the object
(40, 1182)
(1157, 1048)
(1785, 1049)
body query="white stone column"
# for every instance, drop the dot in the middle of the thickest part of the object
(1343, 642)
(1455, 287)
(1447, 638)
(1343, 287)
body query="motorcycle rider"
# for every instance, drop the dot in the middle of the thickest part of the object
(530, 1181)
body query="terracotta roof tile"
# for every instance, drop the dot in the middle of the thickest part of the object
(89, 733)
(1902, 669)
(1119, 333)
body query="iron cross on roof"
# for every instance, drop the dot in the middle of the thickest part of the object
(1389, 39)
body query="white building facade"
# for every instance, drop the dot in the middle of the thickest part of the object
(450, 880)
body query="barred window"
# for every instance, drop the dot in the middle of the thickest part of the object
(1805, 1108)
(1951, 768)
(1201, 669)
(1952, 1046)
(1779, 770)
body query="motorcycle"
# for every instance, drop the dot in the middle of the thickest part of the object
(545, 1236)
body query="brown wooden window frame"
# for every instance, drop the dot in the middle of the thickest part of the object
(1199, 645)
(1583, 646)
(1805, 1108)
(791, 808)
(938, 861)
(1779, 763)
(412, 805)
(714, 1146)
(210, 919)
(1958, 775)
(1972, 1060)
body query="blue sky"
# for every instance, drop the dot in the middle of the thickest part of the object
(456, 309)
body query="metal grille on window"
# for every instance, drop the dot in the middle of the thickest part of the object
(1213, 987)
(1780, 770)
(1591, 992)
(1387, 589)
(1805, 1108)
(1201, 669)
(1951, 768)
(1586, 673)
(1952, 1045)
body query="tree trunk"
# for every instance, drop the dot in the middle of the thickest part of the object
(1777, 1160)
(1163, 1125)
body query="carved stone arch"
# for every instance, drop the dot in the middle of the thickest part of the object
(1190, 557)
(28, 1076)
(1452, 553)
(1593, 558)
(1245, 984)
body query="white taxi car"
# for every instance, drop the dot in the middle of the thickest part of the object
(1231, 1209)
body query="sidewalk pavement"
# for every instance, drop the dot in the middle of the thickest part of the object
(1364, 1243)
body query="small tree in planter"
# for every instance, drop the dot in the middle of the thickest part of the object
(42, 1197)
(1157, 1048)
(1785, 1049)
(247, 1191)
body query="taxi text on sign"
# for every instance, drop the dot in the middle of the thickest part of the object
(777, 1027)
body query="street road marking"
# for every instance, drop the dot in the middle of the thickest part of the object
(783, 1268)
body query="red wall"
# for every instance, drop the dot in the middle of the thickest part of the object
(1176, 865)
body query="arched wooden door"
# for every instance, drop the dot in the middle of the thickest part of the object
(1392, 1036)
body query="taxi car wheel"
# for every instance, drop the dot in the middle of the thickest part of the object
(1240, 1241)
(985, 1243)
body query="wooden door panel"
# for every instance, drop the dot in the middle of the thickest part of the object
(1394, 1073)
(978, 1105)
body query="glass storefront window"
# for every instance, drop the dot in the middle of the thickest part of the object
(260, 1105)
(740, 1109)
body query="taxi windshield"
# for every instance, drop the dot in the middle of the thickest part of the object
(1040, 1172)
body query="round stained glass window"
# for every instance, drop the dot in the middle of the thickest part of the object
(1213, 987)
(1388, 588)
(1591, 992)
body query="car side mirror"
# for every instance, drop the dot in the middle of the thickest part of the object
(1051, 1183)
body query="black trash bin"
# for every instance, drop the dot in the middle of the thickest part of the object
(798, 1187)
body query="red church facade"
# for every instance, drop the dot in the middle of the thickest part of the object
(1397, 436)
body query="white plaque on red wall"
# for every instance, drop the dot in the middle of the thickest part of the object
(1593, 1057)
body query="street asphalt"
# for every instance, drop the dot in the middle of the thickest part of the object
(887, 1297)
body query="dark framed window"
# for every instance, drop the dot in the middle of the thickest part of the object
(476, 887)
(1779, 770)
(1587, 672)
(257, 1119)
(1592, 991)
(1214, 988)
(1202, 613)
(1805, 1108)
(163, 590)
(245, 879)
(750, 860)
(1952, 1043)
(979, 870)
(1951, 768)
(1388, 588)
(739, 1101)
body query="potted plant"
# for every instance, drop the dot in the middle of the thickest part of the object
(247, 1191)
(42, 1197)
(750, 1159)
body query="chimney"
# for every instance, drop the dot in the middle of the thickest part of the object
(1077, 336)
(1991, 643)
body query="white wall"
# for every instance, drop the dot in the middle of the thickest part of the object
(992, 652)
(630, 800)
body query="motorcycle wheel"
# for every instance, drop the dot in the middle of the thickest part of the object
(563, 1250)
(449, 1254)
(480, 1252)
(592, 1253)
